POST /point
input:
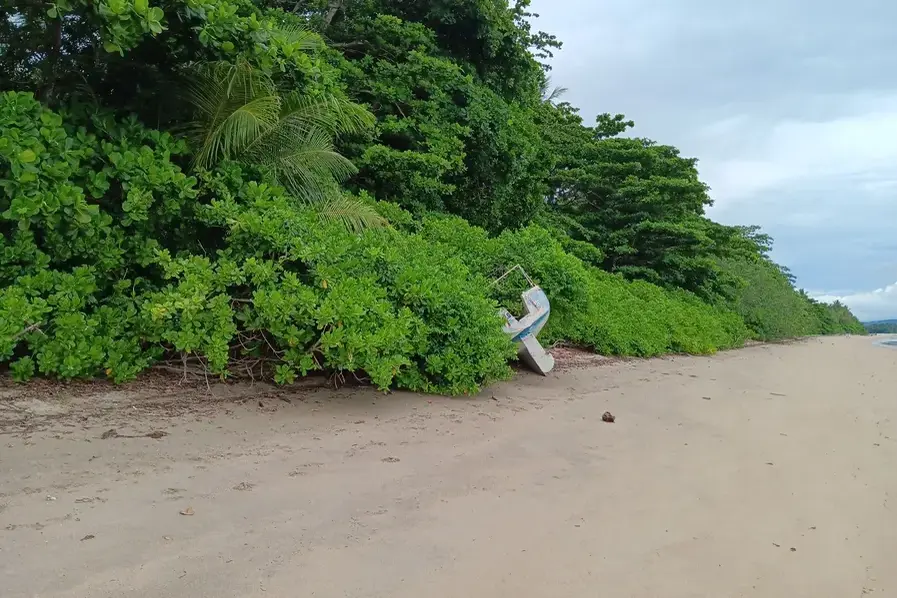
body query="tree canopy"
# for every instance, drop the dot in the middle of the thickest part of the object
(273, 187)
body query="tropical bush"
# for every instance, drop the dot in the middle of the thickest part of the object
(229, 271)
(590, 307)
(207, 184)
(772, 310)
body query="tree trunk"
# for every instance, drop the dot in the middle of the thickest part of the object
(46, 94)
(334, 7)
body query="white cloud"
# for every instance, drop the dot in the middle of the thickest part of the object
(861, 146)
(880, 304)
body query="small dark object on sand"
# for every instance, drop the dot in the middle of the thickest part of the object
(608, 417)
(113, 433)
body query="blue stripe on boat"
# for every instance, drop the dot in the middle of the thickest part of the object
(528, 330)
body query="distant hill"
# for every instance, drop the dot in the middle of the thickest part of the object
(881, 326)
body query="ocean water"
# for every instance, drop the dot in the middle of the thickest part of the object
(891, 342)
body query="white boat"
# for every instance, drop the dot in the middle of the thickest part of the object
(523, 330)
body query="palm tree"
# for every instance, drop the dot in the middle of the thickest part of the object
(551, 94)
(241, 115)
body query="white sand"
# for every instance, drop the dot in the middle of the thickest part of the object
(767, 472)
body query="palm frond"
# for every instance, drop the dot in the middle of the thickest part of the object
(549, 93)
(234, 107)
(354, 214)
(209, 84)
(333, 114)
(307, 169)
(302, 38)
(556, 93)
(240, 115)
(237, 130)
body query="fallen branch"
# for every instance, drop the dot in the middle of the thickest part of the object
(30, 329)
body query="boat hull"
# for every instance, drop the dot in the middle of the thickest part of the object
(524, 331)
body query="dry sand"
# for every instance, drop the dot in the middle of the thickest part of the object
(770, 471)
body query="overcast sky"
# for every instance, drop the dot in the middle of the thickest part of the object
(790, 105)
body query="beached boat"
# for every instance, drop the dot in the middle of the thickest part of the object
(523, 330)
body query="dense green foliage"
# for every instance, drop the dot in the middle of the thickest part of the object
(591, 307)
(770, 307)
(210, 183)
(226, 268)
(883, 327)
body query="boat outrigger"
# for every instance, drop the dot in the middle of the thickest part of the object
(523, 330)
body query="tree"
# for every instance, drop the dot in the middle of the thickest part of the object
(607, 126)
(886, 327)
(445, 139)
(490, 37)
(642, 203)
(242, 116)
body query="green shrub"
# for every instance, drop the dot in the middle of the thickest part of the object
(590, 307)
(384, 302)
(112, 257)
(82, 211)
(773, 310)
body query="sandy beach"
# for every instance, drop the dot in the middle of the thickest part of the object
(769, 471)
